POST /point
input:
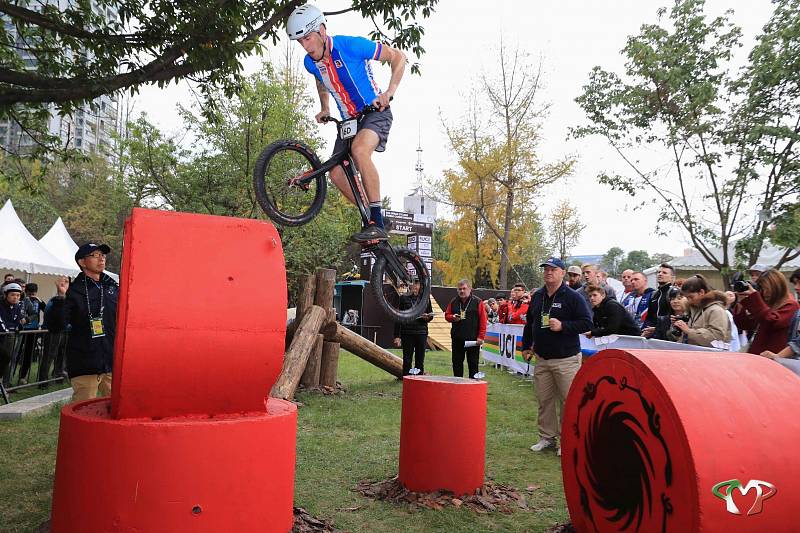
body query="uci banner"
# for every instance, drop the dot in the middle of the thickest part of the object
(503, 346)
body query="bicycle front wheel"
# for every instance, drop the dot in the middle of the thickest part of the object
(280, 189)
(387, 276)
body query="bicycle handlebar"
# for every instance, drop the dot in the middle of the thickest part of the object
(369, 108)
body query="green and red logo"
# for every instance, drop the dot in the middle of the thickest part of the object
(726, 489)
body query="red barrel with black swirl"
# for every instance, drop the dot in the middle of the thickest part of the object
(657, 441)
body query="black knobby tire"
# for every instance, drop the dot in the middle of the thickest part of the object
(385, 294)
(270, 183)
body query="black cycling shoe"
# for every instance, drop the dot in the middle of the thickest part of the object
(370, 232)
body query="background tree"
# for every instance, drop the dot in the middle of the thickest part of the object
(636, 260)
(730, 135)
(565, 228)
(497, 148)
(612, 260)
(660, 258)
(81, 53)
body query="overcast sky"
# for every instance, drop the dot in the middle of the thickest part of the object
(461, 41)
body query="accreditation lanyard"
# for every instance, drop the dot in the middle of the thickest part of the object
(546, 314)
(96, 322)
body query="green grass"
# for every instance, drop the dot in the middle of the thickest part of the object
(341, 440)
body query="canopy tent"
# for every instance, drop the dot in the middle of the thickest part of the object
(19, 250)
(58, 242)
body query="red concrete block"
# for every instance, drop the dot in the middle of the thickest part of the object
(443, 434)
(200, 474)
(202, 315)
(682, 441)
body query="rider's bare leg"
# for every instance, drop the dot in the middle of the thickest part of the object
(363, 146)
(340, 180)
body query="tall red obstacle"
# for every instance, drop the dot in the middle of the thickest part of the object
(188, 441)
(443, 434)
(658, 441)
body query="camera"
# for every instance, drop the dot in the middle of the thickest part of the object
(675, 331)
(741, 283)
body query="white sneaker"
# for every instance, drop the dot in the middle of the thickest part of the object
(543, 444)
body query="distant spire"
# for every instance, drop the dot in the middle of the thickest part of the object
(420, 167)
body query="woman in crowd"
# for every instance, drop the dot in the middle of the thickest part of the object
(609, 317)
(792, 348)
(768, 310)
(708, 322)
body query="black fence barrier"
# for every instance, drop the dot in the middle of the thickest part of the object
(24, 350)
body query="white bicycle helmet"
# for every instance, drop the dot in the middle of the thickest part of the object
(304, 20)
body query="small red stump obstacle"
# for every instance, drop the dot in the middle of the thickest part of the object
(188, 441)
(443, 434)
(682, 441)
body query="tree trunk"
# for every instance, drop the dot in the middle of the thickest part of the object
(366, 350)
(310, 377)
(504, 241)
(330, 364)
(294, 362)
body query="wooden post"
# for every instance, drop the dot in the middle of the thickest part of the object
(325, 283)
(311, 374)
(294, 362)
(365, 349)
(304, 302)
(330, 364)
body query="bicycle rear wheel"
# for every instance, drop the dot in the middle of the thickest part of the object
(275, 181)
(386, 278)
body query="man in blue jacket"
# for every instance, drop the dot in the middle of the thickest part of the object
(556, 317)
(88, 306)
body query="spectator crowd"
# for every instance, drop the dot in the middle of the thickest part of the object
(759, 314)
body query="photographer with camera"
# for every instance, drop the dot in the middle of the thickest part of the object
(766, 307)
(707, 319)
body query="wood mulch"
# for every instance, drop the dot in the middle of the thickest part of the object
(491, 497)
(305, 523)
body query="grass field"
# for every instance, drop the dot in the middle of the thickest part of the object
(341, 440)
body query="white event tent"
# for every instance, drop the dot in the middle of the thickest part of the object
(58, 242)
(25, 257)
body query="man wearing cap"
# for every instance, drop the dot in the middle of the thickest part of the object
(557, 316)
(12, 318)
(574, 277)
(89, 307)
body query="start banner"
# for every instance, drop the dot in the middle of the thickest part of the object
(503, 346)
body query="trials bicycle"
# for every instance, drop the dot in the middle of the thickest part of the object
(290, 186)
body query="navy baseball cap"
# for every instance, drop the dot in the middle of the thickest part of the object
(90, 247)
(554, 262)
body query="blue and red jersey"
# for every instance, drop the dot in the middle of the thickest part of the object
(347, 73)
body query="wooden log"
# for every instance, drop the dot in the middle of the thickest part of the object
(326, 283)
(329, 366)
(365, 349)
(304, 302)
(310, 377)
(294, 362)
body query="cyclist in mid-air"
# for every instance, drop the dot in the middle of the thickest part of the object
(341, 66)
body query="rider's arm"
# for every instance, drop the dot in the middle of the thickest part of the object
(324, 96)
(397, 61)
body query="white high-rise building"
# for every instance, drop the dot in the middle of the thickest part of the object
(89, 129)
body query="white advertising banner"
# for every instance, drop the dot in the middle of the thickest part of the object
(503, 345)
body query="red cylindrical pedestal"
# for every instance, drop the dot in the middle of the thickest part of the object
(682, 441)
(443, 434)
(226, 473)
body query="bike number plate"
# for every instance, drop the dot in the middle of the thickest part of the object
(349, 128)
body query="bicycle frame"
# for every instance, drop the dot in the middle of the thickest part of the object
(344, 159)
